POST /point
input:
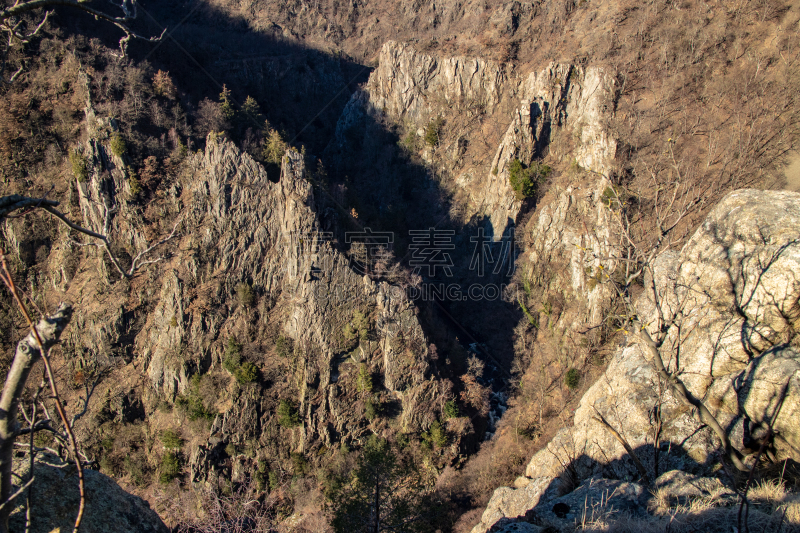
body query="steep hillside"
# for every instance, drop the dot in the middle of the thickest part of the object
(251, 307)
(730, 302)
(427, 222)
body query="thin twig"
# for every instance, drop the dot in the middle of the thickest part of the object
(14, 202)
(29, 496)
(639, 466)
(19, 491)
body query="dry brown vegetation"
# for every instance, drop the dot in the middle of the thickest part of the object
(708, 100)
(774, 509)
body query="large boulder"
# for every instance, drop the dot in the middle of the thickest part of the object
(55, 499)
(770, 388)
(732, 302)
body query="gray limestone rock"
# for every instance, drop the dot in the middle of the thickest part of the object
(735, 290)
(414, 88)
(679, 485)
(56, 497)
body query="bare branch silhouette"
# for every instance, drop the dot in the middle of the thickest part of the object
(15, 27)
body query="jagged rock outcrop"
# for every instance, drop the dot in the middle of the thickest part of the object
(55, 499)
(731, 297)
(567, 239)
(242, 228)
(249, 262)
(268, 234)
(563, 109)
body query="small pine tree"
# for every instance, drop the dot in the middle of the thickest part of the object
(250, 114)
(385, 493)
(226, 104)
(287, 415)
(245, 295)
(171, 440)
(170, 468)
(274, 146)
(246, 373)
(525, 180)
(274, 482)
(80, 166)
(233, 355)
(572, 378)
(450, 410)
(261, 477)
(349, 333)
(361, 325)
(283, 346)
(117, 145)
(409, 142)
(192, 402)
(299, 463)
(364, 379)
(438, 435)
(432, 131)
(134, 185)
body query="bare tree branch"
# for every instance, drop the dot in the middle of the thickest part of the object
(639, 466)
(10, 24)
(29, 350)
(9, 204)
(136, 264)
(15, 495)
(647, 342)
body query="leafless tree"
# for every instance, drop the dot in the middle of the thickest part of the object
(667, 206)
(35, 346)
(18, 27)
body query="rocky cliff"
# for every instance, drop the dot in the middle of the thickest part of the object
(250, 335)
(238, 267)
(481, 107)
(241, 273)
(731, 296)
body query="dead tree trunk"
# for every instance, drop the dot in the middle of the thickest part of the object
(28, 353)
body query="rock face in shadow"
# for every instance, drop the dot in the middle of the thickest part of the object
(487, 107)
(56, 498)
(730, 299)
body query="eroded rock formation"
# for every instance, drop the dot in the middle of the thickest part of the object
(731, 298)
(561, 110)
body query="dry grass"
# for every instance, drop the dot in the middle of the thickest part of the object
(773, 509)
